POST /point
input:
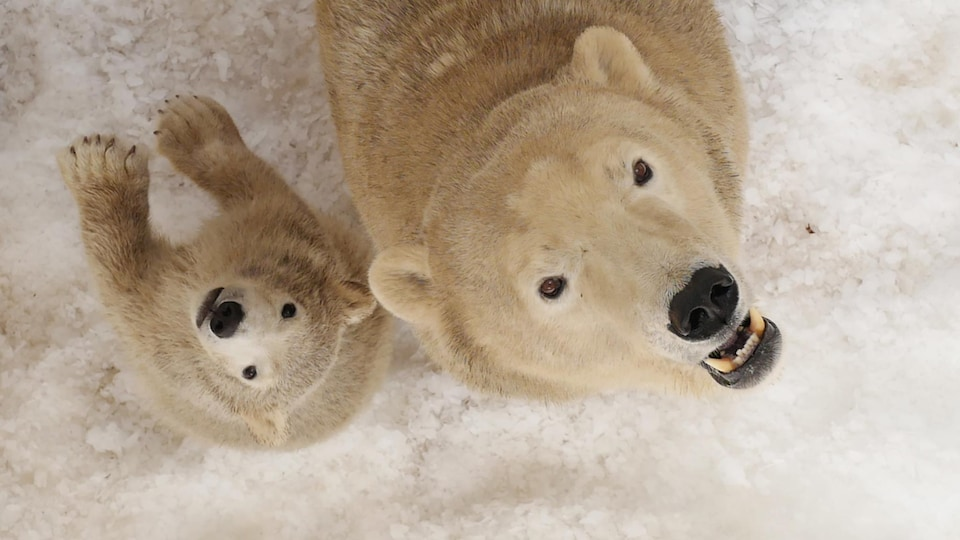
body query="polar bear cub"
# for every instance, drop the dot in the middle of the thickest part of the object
(261, 332)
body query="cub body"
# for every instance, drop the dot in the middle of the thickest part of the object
(543, 180)
(262, 331)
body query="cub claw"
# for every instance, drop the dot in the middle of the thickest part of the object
(96, 160)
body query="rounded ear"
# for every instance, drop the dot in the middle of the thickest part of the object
(606, 57)
(269, 428)
(359, 299)
(400, 279)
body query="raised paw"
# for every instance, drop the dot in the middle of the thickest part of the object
(102, 161)
(193, 130)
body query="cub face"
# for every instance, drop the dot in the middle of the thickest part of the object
(270, 309)
(272, 333)
(595, 247)
(250, 331)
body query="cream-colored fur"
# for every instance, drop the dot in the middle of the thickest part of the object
(267, 251)
(489, 146)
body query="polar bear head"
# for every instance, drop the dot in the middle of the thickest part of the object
(589, 241)
(271, 310)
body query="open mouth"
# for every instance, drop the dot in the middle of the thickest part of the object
(748, 356)
(206, 308)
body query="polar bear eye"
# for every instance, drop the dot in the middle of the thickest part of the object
(250, 373)
(552, 287)
(642, 173)
(288, 311)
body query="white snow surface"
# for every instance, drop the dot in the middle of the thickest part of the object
(854, 113)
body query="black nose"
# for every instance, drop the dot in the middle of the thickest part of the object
(225, 319)
(705, 305)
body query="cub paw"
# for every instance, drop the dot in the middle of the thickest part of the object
(102, 161)
(192, 129)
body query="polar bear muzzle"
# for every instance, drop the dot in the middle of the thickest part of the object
(748, 356)
(224, 317)
(705, 305)
(703, 309)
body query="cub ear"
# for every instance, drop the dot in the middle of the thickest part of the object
(269, 428)
(400, 279)
(606, 57)
(360, 301)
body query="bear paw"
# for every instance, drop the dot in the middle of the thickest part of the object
(193, 131)
(102, 161)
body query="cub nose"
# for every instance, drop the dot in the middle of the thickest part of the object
(705, 305)
(225, 319)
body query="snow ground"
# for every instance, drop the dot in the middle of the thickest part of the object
(855, 108)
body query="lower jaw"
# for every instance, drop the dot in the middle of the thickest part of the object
(755, 368)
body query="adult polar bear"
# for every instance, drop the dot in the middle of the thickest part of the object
(554, 188)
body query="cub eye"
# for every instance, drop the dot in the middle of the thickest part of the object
(250, 373)
(552, 287)
(288, 311)
(642, 173)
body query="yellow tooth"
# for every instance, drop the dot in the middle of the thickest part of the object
(756, 322)
(721, 364)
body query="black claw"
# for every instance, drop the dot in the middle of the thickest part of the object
(98, 138)
(157, 132)
(177, 96)
(73, 150)
(195, 96)
(166, 101)
(160, 111)
(86, 140)
(133, 150)
(110, 143)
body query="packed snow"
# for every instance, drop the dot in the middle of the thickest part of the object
(852, 239)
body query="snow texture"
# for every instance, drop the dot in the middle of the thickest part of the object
(852, 239)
